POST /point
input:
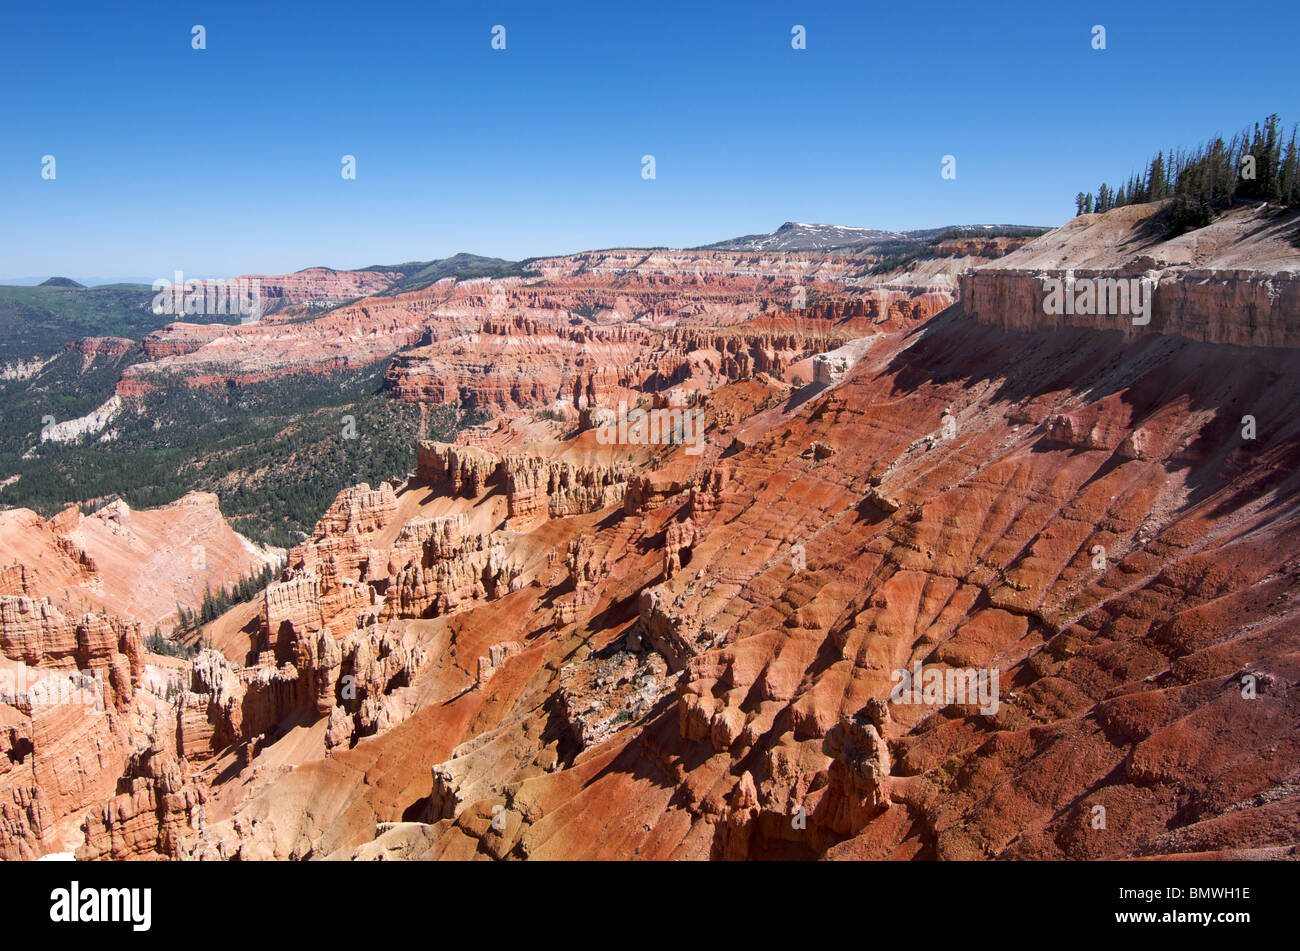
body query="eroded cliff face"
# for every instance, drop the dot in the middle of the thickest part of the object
(1235, 282)
(69, 690)
(596, 325)
(564, 364)
(707, 668)
(319, 286)
(133, 564)
(1242, 308)
(541, 645)
(83, 703)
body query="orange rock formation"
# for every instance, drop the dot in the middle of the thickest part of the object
(542, 646)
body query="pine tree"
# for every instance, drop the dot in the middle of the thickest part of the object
(1155, 189)
(1271, 179)
(1253, 187)
(1204, 180)
(1290, 178)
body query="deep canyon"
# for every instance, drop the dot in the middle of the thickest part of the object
(537, 643)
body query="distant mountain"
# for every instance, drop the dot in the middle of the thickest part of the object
(38, 321)
(82, 281)
(462, 266)
(795, 236)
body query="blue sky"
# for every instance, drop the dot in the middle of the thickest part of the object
(227, 160)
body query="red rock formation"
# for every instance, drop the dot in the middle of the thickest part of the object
(158, 808)
(933, 502)
(134, 564)
(319, 287)
(595, 327)
(68, 706)
(93, 348)
(567, 649)
(1233, 282)
(465, 469)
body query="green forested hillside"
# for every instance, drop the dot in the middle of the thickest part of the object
(276, 453)
(39, 321)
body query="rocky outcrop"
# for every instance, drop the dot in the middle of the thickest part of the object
(860, 745)
(603, 695)
(426, 541)
(465, 469)
(87, 717)
(830, 368)
(497, 655)
(292, 607)
(136, 564)
(359, 678)
(670, 628)
(678, 539)
(35, 633)
(67, 709)
(538, 488)
(244, 703)
(319, 287)
(353, 681)
(650, 490)
(436, 585)
(159, 806)
(93, 349)
(1242, 308)
(358, 510)
(93, 423)
(236, 354)
(1236, 281)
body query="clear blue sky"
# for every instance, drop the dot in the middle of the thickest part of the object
(227, 160)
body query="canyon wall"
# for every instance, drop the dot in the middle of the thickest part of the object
(543, 644)
(1238, 307)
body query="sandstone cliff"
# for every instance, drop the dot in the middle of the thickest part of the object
(134, 564)
(542, 645)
